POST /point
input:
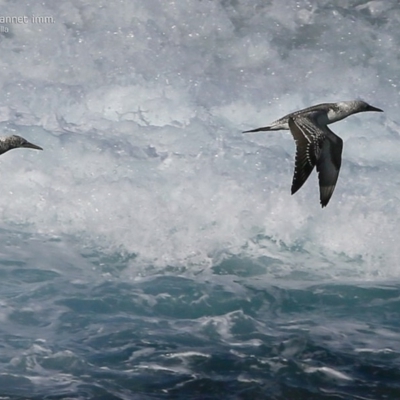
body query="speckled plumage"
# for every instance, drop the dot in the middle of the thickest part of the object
(316, 144)
(14, 142)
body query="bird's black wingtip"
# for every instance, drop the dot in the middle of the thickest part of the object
(324, 202)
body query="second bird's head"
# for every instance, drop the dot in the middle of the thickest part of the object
(14, 142)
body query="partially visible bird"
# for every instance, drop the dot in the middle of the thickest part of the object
(316, 144)
(14, 142)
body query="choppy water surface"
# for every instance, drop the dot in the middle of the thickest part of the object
(233, 331)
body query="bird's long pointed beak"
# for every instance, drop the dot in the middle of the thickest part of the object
(31, 146)
(371, 108)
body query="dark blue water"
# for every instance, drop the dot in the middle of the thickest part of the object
(225, 333)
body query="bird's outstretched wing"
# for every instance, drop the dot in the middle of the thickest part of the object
(309, 138)
(328, 165)
(316, 146)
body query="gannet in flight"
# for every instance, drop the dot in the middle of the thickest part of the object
(316, 144)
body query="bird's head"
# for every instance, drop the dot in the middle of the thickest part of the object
(14, 142)
(361, 106)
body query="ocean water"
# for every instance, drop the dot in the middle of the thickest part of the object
(153, 251)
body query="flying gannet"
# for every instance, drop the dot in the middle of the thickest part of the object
(316, 144)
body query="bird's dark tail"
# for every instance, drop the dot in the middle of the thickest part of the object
(265, 128)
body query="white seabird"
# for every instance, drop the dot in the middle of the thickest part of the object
(14, 142)
(316, 144)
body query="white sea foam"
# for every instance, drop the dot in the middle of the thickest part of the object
(330, 373)
(140, 108)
